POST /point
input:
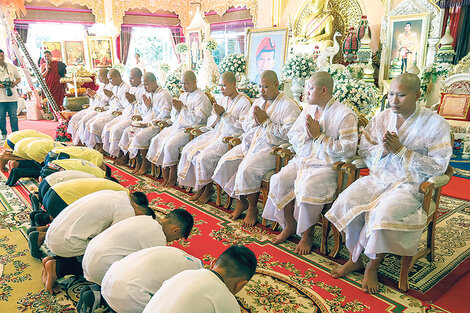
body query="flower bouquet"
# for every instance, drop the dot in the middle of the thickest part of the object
(210, 44)
(181, 48)
(61, 133)
(432, 72)
(359, 95)
(235, 63)
(249, 88)
(173, 83)
(301, 65)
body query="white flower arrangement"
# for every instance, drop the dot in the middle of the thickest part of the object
(173, 83)
(300, 65)
(249, 88)
(120, 67)
(181, 48)
(164, 67)
(432, 72)
(338, 72)
(198, 66)
(235, 63)
(356, 69)
(361, 96)
(210, 44)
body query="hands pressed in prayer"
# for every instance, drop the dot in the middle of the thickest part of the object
(108, 93)
(91, 93)
(218, 109)
(130, 97)
(260, 115)
(392, 142)
(147, 101)
(177, 104)
(313, 127)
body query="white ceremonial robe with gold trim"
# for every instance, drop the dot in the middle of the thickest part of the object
(130, 283)
(135, 138)
(308, 177)
(118, 102)
(382, 212)
(164, 149)
(199, 157)
(241, 170)
(112, 132)
(100, 101)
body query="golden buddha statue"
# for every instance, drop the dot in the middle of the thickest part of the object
(317, 30)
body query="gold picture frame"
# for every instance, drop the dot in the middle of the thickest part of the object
(407, 39)
(267, 50)
(74, 53)
(194, 39)
(101, 52)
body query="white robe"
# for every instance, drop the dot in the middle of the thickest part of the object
(165, 147)
(74, 227)
(116, 242)
(382, 212)
(117, 103)
(241, 170)
(193, 291)
(199, 157)
(130, 283)
(113, 130)
(134, 138)
(308, 177)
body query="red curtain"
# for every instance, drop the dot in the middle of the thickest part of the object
(177, 37)
(452, 16)
(124, 43)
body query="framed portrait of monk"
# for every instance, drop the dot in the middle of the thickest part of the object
(267, 50)
(74, 53)
(408, 38)
(55, 47)
(101, 52)
(195, 52)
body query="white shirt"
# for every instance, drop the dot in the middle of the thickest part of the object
(121, 239)
(69, 233)
(130, 283)
(61, 176)
(193, 291)
(8, 72)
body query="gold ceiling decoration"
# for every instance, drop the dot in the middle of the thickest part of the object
(221, 6)
(96, 6)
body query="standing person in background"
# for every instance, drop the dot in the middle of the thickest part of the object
(53, 71)
(140, 63)
(9, 79)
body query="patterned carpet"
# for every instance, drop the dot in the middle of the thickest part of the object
(284, 282)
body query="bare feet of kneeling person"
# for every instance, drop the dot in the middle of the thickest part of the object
(43, 272)
(51, 276)
(242, 205)
(251, 217)
(283, 235)
(305, 244)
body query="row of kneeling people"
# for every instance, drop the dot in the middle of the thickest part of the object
(403, 146)
(96, 228)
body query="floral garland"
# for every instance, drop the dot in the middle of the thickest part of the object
(173, 83)
(235, 63)
(299, 65)
(181, 48)
(210, 44)
(432, 72)
(61, 133)
(361, 96)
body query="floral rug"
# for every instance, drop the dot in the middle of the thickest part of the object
(284, 282)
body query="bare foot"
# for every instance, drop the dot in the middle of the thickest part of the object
(122, 160)
(370, 284)
(197, 194)
(51, 276)
(171, 182)
(43, 272)
(285, 233)
(346, 268)
(251, 217)
(141, 169)
(206, 195)
(305, 244)
(241, 206)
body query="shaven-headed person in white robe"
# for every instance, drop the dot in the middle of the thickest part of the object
(136, 138)
(324, 133)
(199, 157)
(117, 104)
(240, 171)
(130, 283)
(382, 213)
(128, 236)
(94, 102)
(112, 131)
(207, 291)
(191, 109)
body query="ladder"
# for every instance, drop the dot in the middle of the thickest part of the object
(17, 45)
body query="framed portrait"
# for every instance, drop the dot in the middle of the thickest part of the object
(101, 52)
(55, 47)
(195, 51)
(408, 36)
(267, 50)
(74, 53)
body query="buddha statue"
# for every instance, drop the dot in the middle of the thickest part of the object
(318, 27)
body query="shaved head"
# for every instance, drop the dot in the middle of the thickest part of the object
(189, 75)
(150, 77)
(114, 72)
(411, 81)
(322, 79)
(229, 77)
(103, 71)
(270, 76)
(137, 72)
